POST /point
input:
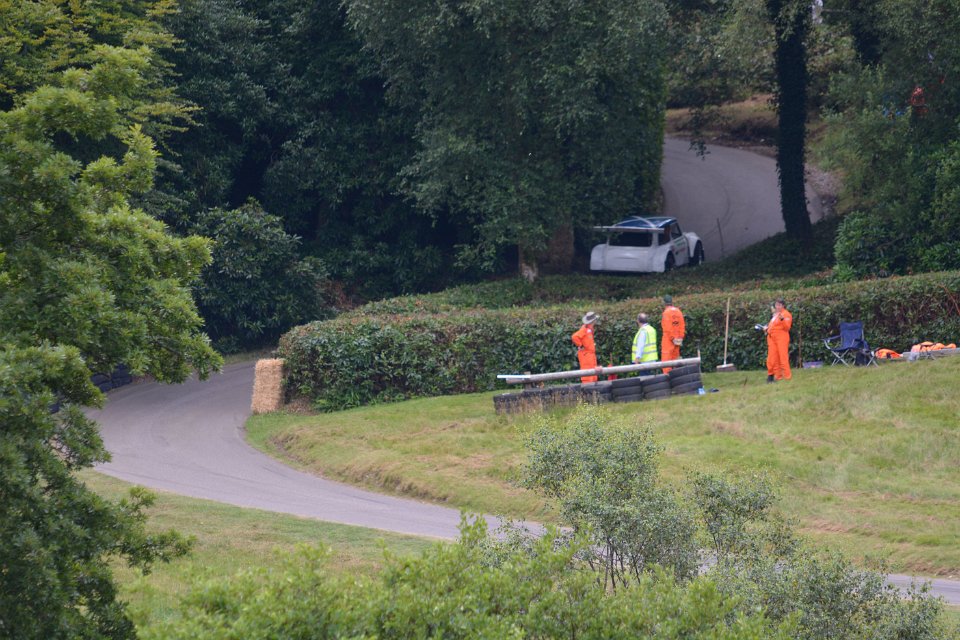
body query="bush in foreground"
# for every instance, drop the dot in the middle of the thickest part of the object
(464, 590)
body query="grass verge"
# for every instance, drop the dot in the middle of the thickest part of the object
(866, 457)
(230, 539)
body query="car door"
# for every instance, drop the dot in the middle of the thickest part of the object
(679, 245)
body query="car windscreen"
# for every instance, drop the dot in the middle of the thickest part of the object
(631, 239)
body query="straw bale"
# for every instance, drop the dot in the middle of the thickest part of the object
(267, 386)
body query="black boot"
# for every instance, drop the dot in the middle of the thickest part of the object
(770, 379)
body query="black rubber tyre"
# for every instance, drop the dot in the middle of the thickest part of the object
(625, 391)
(603, 387)
(690, 387)
(680, 380)
(685, 370)
(660, 386)
(633, 397)
(650, 380)
(698, 256)
(105, 386)
(657, 395)
(620, 383)
(669, 263)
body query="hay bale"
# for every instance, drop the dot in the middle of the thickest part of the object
(267, 386)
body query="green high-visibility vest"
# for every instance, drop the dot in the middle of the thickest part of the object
(645, 343)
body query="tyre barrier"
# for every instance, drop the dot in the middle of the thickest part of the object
(119, 377)
(680, 381)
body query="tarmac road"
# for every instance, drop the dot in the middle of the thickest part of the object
(727, 188)
(188, 439)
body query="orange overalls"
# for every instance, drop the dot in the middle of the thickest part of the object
(586, 350)
(671, 326)
(778, 345)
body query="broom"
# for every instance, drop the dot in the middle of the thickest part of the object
(726, 336)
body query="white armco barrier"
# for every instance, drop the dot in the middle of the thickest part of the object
(533, 378)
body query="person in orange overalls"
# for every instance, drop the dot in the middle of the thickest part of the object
(586, 347)
(778, 343)
(673, 329)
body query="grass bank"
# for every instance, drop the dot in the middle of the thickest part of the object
(866, 458)
(229, 540)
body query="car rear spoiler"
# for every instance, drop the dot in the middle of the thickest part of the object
(627, 230)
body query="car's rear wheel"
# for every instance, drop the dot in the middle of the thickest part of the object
(698, 255)
(668, 265)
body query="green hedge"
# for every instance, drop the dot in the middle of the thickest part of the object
(356, 360)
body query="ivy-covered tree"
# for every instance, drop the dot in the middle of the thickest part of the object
(86, 282)
(791, 21)
(532, 117)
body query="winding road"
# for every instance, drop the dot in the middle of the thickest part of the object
(188, 439)
(729, 189)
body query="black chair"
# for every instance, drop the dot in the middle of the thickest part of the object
(850, 347)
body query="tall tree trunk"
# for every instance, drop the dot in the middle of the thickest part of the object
(791, 19)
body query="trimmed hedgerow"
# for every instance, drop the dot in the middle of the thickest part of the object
(359, 359)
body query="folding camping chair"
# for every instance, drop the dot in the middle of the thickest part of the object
(850, 347)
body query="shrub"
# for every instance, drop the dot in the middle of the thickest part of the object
(257, 286)
(462, 591)
(350, 361)
(604, 475)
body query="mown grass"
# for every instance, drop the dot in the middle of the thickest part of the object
(866, 458)
(228, 540)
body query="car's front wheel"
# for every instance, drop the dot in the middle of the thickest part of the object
(698, 255)
(669, 264)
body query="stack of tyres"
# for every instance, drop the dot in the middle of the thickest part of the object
(507, 403)
(626, 390)
(567, 395)
(685, 380)
(596, 392)
(656, 387)
(101, 381)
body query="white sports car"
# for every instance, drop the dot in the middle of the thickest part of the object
(654, 244)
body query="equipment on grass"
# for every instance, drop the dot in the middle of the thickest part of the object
(725, 367)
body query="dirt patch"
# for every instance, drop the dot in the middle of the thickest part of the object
(734, 429)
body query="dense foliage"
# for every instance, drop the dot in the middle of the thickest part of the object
(86, 282)
(257, 285)
(359, 358)
(895, 133)
(294, 115)
(472, 589)
(531, 117)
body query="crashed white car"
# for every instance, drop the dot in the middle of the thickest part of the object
(654, 244)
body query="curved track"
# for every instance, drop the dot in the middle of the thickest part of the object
(729, 189)
(188, 438)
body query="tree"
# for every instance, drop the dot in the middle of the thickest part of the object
(532, 118)
(86, 282)
(257, 285)
(293, 114)
(894, 130)
(791, 21)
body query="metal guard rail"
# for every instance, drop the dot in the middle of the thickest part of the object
(533, 378)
